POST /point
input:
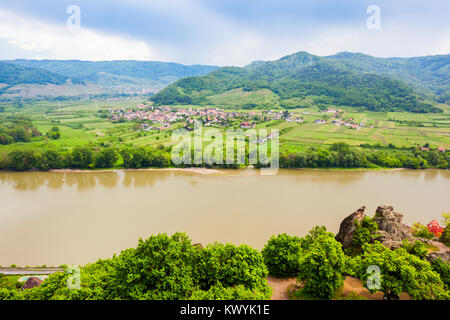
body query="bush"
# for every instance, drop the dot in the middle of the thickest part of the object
(421, 231)
(400, 272)
(364, 232)
(445, 236)
(232, 266)
(161, 267)
(219, 292)
(282, 255)
(322, 267)
(443, 269)
(417, 248)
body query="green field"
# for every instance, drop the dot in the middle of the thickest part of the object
(80, 123)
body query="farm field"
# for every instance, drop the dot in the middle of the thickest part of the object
(81, 123)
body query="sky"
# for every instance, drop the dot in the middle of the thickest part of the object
(225, 32)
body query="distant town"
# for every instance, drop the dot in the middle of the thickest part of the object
(164, 117)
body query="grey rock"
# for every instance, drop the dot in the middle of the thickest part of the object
(347, 227)
(445, 256)
(391, 229)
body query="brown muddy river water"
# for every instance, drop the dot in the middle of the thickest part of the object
(58, 218)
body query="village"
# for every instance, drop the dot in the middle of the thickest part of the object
(164, 117)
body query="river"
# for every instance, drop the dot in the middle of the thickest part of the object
(58, 218)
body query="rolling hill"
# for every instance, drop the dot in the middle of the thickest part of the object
(32, 77)
(302, 79)
(12, 74)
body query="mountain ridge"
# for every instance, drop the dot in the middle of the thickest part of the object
(354, 79)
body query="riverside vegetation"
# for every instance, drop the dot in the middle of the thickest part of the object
(171, 267)
(337, 155)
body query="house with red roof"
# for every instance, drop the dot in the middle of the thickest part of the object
(435, 228)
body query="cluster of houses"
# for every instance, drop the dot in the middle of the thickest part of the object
(160, 118)
(440, 149)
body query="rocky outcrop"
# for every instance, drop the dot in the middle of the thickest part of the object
(347, 227)
(445, 256)
(391, 229)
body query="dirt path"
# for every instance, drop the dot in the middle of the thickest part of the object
(280, 286)
(442, 247)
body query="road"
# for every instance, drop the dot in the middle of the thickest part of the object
(33, 271)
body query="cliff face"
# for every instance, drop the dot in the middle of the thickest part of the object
(391, 229)
(347, 227)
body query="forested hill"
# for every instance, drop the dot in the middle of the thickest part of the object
(12, 74)
(302, 79)
(159, 74)
(429, 75)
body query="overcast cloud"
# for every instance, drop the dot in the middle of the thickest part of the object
(227, 32)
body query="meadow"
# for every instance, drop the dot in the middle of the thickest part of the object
(81, 123)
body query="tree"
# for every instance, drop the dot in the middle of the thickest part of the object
(443, 269)
(22, 159)
(54, 133)
(282, 255)
(161, 267)
(400, 272)
(50, 159)
(446, 218)
(322, 267)
(232, 266)
(364, 232)
(82, 157)
(105, 158)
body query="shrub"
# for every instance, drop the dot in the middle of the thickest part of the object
(161, 267)
(282, 255)
(219, 292)
(364, 232)
(322, 267)
(232, 266)
(421, 231)
(443, 269)
(445, 236)
(417, 248)
(400, 272)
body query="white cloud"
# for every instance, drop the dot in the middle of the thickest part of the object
(49, 41)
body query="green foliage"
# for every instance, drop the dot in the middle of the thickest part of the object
(17, 129)
(106, 158)
(144, 157)
(13, 74)
(231, 265)
(54, 133)
(446, 219)
(322, 267)
(299, 76)
(443, 269)
(282, 255)
(162, 267)
(400, 272)
(417, 248)
(421, 231)
(219, 292)
(445, 236)
(112, 71)
(364, 232)
(82, 157)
